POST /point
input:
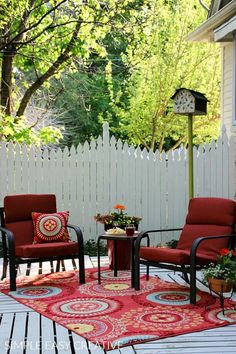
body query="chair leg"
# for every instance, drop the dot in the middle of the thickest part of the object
(185, 275)
(51, 266)
(4, 269)
(12, 274)
(147, 273)
(58, 266)
(193, 287)
(81, 269)
(28, 268)
(136, 273)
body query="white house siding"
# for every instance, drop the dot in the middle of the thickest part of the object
(221, 27)
(227, 93)
(226, 88)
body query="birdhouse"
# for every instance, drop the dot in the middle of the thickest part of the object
(189, 102)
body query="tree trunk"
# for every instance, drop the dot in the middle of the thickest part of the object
(6, 80)
(49, 73)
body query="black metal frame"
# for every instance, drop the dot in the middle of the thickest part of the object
(8, 243)
(185, 269)
(115, 238)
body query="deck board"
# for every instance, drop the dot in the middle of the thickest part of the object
(33, 333)
(21, 327)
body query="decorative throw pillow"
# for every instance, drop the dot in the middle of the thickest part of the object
(50, 227)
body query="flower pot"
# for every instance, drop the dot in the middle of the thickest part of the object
(219, 285)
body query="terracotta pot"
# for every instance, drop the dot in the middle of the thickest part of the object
(219, 285)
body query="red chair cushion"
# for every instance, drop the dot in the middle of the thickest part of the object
(211, 211)
(23, 232)
(19, 207)
(45, 250)
(18, 210)
(211, 247)
(50, 227)
(164, 255)
(174, 256)
(206, 217)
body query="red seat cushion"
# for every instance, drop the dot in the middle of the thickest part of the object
(174, 256)
(45, 250)
(206, 217)
(164, 255)
(18, 209)
(211, 247)
(211, 211)
(23, 231)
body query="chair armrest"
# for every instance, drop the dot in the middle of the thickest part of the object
(143, 234)
(2, 215)
(9, 233)
(79, 235)
(10, 237)
(194, 247)
(196, 243)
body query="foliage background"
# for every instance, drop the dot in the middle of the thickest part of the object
(67, 66)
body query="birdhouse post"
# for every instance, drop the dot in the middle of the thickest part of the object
(190, 103)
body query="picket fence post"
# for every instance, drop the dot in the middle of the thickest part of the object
(93, 177)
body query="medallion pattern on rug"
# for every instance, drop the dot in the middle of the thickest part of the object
(112, 313)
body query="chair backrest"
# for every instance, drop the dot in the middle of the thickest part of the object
(208, 217)
(17, 213)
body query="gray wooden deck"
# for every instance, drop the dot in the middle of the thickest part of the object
(23, 331)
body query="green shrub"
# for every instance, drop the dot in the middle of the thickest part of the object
(172, 243)
(90, 248)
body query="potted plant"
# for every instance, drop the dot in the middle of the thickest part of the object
(221, 276)
(118, 218)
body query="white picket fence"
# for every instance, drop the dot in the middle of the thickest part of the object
(96, 176)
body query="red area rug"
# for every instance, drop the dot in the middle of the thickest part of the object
(113, 314)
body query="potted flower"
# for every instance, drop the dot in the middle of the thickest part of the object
(118, 218)
(221, 276)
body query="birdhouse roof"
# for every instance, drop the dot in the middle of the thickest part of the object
(196, 94)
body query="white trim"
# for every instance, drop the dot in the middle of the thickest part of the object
(205, 31)
(224, 33)
(234, 81)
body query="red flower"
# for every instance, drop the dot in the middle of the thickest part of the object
(224, 251)
(119, 206)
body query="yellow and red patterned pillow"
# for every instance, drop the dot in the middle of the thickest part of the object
(50, 227)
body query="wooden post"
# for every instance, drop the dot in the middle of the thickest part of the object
(190, 155)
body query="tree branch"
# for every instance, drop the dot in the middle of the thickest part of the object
(24, 29)
(50, 72)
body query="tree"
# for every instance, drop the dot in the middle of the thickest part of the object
(85, 99)
(163, 62)
(39, 39)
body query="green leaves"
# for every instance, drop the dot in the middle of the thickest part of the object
(19, 131)
(141, 38)
(43, 37)
(164, 61)
(225, 268)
